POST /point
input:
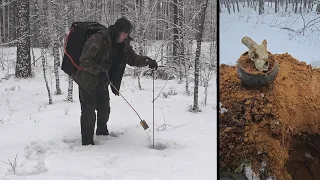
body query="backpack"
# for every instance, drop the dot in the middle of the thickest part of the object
(75, 40)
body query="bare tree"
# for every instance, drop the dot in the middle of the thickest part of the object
(238, 6)
(318, 9)
(23, 64)
(198, 51)
(44, 74)
(67, 17)
(261, 6)
(56, 44)
(182, 34)
(175, 34)
(208, 69)
(140, 20)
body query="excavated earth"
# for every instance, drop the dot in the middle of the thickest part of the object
(278, 124)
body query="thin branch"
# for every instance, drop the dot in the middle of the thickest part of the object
(161, 89)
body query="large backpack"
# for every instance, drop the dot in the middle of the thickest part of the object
(78, 35)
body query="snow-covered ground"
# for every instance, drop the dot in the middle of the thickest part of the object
(42, 141)
(274, 28)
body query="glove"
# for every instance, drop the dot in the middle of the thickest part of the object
(115, 92)
(152, 63)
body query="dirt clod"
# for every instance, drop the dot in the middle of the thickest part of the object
(260, 123)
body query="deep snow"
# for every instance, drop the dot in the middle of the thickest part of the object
(46, 138)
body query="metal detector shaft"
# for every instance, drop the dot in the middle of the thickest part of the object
(153, 105)
(142, 122)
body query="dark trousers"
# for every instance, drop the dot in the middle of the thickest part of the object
(99, 101)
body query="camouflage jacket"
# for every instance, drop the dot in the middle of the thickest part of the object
(95, 58)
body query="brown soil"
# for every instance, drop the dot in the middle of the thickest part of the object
(249, 66)
(260, 123)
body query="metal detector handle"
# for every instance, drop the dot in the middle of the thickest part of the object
(126, 101)
(111, 84)
(142, 122)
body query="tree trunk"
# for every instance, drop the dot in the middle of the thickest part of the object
(23, 64)
(44, 41)
(70, 90)
(233, 7)
(44, 74)
(4, 22)
(318, 9)
(139, 5)
(12, 16)
(66, 29)
(261, 7)
(182, 58)
(175, 33)
(1, 22)
(8, 23)
(56, 46)
(187, 69)
(180, 45)
(198, 52)
(34, 26)
(206, 84)
(238, 6)
(310, 5)
(228, 5)
(276, 6)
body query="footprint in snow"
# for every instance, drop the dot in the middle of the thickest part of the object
(76, 142)
(32, 162)
(35, 153)
(72, 142)
(116, 133)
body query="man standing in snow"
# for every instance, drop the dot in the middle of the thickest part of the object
(104, 57)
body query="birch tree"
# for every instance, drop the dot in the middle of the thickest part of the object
(43, 30)
(66, 28)
(56, 44)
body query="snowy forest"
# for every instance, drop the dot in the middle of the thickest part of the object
(180, 30)
(42, 112)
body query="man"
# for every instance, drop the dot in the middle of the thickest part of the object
(104, 57)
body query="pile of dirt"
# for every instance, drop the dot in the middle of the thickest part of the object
(248, 65)
(260, 123)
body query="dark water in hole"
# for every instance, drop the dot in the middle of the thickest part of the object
(304, 158)
(158, 146)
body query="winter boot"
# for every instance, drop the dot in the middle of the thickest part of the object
(102, 131)
(86, 143)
